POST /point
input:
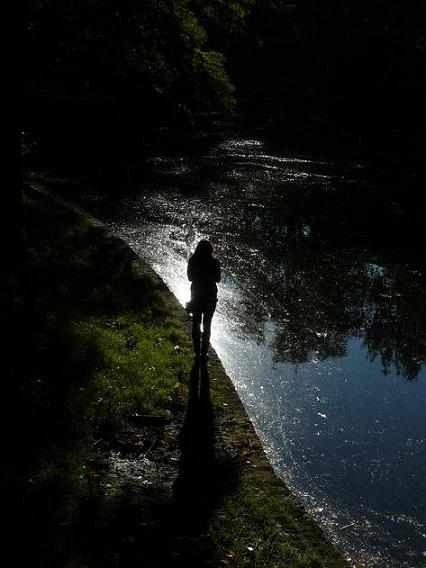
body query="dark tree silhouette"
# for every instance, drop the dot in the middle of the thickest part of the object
(11, 236)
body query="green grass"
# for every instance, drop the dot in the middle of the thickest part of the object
(258, 528)
(89, 342)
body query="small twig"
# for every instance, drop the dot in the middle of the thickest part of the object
(347, 526)
(150, 447)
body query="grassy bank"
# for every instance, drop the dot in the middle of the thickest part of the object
(116, 451)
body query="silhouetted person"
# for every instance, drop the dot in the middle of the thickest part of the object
(204, 272)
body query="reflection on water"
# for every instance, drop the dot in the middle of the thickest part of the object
(325, 340)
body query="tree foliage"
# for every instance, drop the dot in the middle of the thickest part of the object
(191, 55)
(348, 44)
(155, 51)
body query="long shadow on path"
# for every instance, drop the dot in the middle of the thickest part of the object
(158, 526)
(206, 474)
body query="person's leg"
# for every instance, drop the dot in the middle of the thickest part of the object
(196, 332)
(207, 322)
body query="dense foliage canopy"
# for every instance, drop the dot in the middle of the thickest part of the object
(192, 55)
(154, 51)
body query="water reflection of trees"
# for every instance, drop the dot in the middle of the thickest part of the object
(395, 323)
(321, 311)
(320, 295)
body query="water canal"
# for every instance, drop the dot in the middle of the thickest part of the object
(323, 336)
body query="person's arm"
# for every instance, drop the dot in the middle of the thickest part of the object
(190, 271)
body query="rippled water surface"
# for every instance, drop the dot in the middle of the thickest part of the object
(324, 338)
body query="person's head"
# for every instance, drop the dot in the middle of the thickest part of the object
(204, 249)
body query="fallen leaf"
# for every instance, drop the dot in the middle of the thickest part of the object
(232, 554)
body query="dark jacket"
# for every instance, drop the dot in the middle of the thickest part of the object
(203, 273)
